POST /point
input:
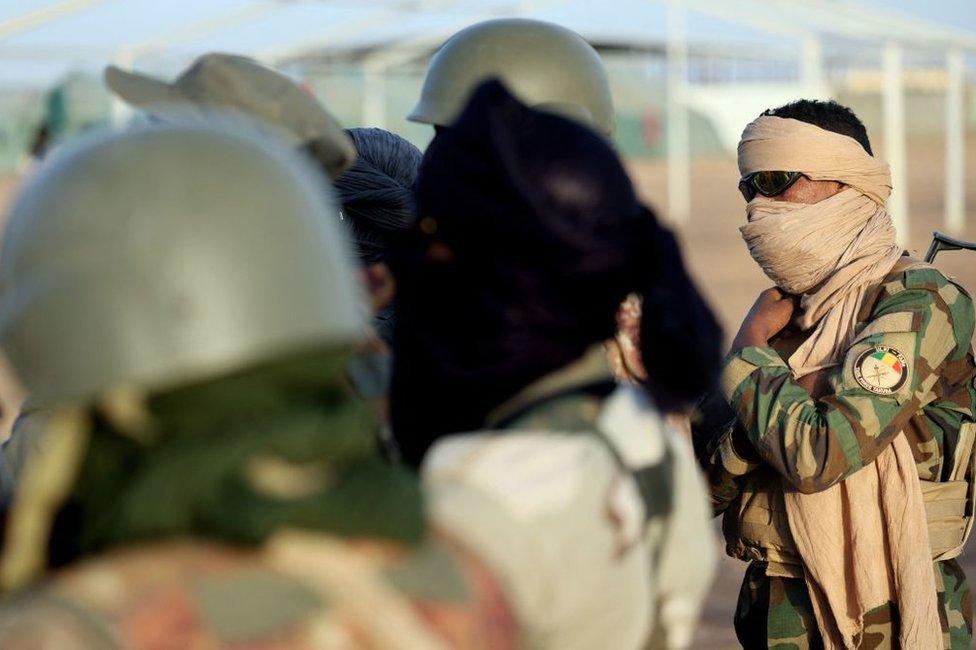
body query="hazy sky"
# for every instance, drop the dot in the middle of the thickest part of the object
(94, 36)
(958, 13)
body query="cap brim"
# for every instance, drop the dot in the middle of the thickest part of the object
(139, 90)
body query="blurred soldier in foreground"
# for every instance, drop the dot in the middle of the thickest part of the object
(846, 469)
(216, 84)
(529, 237)
(178, 298)
(375, 192)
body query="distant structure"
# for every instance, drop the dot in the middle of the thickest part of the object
(686, 74)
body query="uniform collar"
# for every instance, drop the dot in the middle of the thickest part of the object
(591, 368)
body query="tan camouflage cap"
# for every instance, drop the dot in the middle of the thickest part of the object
(243, 85)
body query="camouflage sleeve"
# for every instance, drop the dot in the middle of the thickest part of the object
(722, 450)
(40, 623)
(888, 374)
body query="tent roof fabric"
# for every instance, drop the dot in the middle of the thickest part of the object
(57, 35)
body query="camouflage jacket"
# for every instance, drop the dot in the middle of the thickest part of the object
(300, 590)
(909, 369)
(923, 323)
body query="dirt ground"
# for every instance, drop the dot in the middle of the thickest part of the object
(721, 263)
(731, 280)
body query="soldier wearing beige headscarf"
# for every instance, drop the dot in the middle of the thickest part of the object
(845, 467)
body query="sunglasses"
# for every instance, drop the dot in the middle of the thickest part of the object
(766, 183)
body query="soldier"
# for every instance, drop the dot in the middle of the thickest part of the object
(376, 201)
(845, 465)
(554, 69)
(179, 301)
(580, 498)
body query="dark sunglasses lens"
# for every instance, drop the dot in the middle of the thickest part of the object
(771, 183)
(748, 193)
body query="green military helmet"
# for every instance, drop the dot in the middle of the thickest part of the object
(167, 254)
(545, 65)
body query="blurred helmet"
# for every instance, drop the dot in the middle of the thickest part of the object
(546, 66)
(164, 255)
(228, 82)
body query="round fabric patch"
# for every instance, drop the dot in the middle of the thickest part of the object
(881, 370)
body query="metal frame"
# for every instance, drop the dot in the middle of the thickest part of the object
(942, 242)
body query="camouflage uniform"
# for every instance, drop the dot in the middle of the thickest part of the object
(779, 432)
(300, 590)
(204, 475)
(589, 509)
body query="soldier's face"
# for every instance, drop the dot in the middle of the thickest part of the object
(806, 191)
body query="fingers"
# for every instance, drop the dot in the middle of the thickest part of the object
(774, 293)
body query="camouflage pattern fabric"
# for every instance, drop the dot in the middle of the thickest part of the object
(188, 594)
(776, 612)
(777, 431)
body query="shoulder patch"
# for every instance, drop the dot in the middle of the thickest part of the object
(881, 370)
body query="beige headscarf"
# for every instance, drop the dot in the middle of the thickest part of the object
(864, 542)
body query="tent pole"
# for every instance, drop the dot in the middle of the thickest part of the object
(678, 137)
(955, 190)
(893, 101)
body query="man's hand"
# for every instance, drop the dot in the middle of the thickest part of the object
(624, 350)
(771, 312)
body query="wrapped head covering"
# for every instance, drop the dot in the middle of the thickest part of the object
(829, 252)
(851, 536)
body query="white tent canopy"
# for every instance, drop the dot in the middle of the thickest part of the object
(42, 41)
(86, 33)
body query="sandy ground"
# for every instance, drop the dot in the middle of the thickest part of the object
(720, 261)
(731, 280)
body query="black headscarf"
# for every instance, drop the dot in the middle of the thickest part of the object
(529, 236)
(377, 202)
(376, 193)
